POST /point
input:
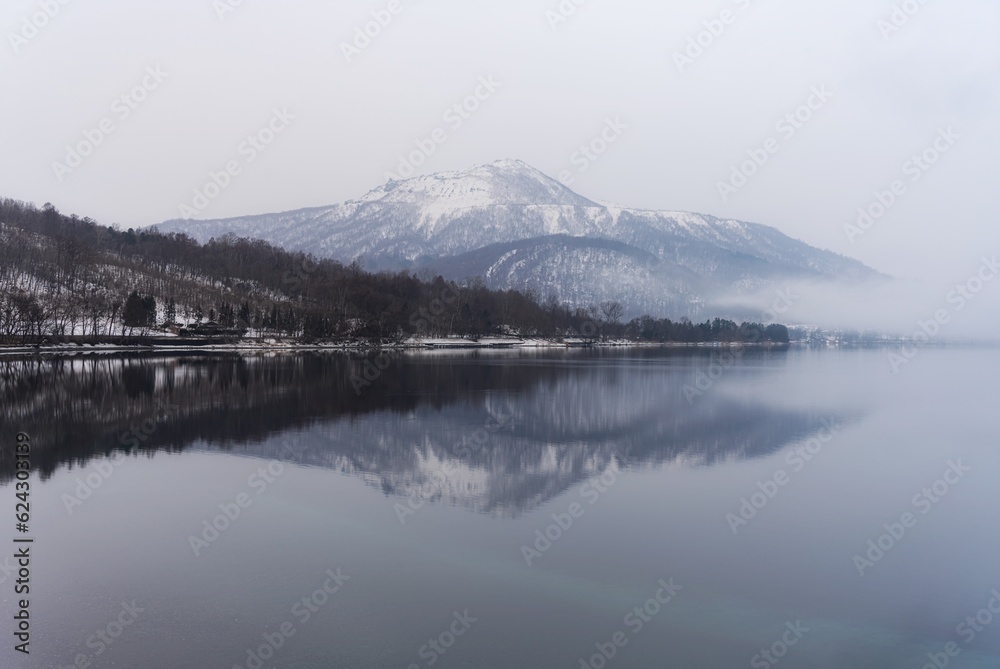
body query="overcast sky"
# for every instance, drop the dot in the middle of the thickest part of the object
(890, 90)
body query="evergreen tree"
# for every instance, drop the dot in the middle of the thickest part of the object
(135, 314)
(149, 308)
(245, 314)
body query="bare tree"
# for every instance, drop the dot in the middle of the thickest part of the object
(612, 312)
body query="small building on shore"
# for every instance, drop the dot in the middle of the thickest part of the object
(576, 341)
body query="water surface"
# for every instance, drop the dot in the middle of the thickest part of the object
(428, 491)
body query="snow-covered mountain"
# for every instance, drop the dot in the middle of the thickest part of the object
(518, 228)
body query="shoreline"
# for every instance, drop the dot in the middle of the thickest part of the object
(364, 347)
(358, 346)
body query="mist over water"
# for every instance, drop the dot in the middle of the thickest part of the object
(964, 305)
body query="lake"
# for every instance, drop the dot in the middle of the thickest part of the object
(540, 509)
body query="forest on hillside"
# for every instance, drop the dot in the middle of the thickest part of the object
(63, 276)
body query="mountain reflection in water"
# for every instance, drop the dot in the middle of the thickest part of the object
(499, 433)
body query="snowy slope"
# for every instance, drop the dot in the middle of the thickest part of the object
(500, 221)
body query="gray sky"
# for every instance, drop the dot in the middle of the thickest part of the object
(688, 123)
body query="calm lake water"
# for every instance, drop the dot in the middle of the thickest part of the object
(630, 508)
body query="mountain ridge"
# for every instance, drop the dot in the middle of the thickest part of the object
(429, 221)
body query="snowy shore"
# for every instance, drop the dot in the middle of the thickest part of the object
(350, 345)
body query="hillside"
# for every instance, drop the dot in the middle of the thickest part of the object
(61, 277)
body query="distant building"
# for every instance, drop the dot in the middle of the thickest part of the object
(578, 340)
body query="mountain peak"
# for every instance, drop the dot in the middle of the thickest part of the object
(507, 182)
(511, 164)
